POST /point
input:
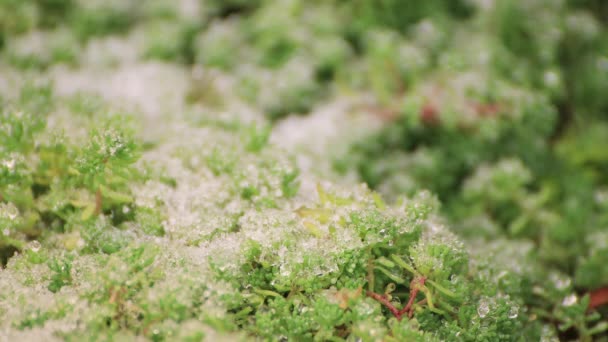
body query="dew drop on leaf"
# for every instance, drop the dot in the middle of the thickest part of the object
(483, 309)
(8, 211)
(562, 283)
(569, 300)
(514, 311)
(34, 246)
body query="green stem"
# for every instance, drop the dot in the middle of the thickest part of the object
(442, 289)
(370, 273)
(404, 264)
(267, 293)
(393, 277)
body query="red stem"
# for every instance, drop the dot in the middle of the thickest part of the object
(98, 202)
(408, 307)
(415, 286)
(382, 299)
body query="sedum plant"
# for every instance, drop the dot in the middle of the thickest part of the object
(52, 184)
(276, 262)
(258, 255)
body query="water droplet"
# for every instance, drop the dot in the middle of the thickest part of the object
(34, 246)
(9, 211)
(551, 79)
(570, 300)
(9, 164)
(561, 282)
(514, 311)
(548, 335)
(483, 309)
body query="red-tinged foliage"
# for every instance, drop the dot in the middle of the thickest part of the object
(429, 114)
(598, 297)
(487, 109)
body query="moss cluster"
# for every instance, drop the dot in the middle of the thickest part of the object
(329, 264)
